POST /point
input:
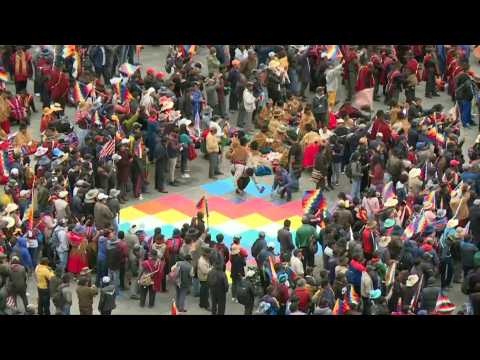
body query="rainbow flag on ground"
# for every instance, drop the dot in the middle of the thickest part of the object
(341, 307)
(313, 202)
(388, 192)
(3, 75)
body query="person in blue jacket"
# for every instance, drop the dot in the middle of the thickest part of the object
(21, 249)
(283, 183)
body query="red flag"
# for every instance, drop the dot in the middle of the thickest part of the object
(173, 310)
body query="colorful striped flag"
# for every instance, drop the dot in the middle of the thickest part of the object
(3, 75)
(68, 51)
(430, 198)
(444, 305)
(128, 69)
(272, 270)
(313, 201)
(422, 224)
(173, 310)
(410, 230)
(353, 297)
(202, 205)
(77, 93)
(388, 192)
(333, 52)
(108, 149)
(340, 308)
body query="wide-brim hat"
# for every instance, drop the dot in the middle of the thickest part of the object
(114, 193)
(91, 195)
(56, 107)
(47, 111)
(391, 202)
(452, 223)
(412, 280)
(167, 105)
(63, 194)
(185, 121)
(415, 172)
(384, 241)
(10, 222)
(11, 208)
(40, 151)
(441, 213)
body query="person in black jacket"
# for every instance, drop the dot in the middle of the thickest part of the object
(218, 284)
(160, 157)
(464, 94)
(237, 269)
(320, 106)
(247, 284)
(474, 219)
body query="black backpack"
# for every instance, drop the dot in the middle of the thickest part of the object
(256, 248)
(242, 293)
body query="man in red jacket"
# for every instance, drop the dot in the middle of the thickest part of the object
(21, 61)
(368, 239)
(59, 85)
(380, 126)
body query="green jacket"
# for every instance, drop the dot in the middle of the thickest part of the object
(303, 235)
(129, 123)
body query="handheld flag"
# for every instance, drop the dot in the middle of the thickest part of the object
(354, 297)
(333, 52)
(388, 192)
(202, 205)
(173, 310)
(272, 270)
(77, 93)
(108, 149)
(128, 69)
(3, 75)
(340, 308)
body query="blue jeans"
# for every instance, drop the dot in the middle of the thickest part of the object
(356, 186)
(181, 297)
(66, 310)
(62, 259)
(33, 254)
(114, 276)
(465, 107)
(102, 270)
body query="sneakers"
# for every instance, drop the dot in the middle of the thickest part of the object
(186, 176)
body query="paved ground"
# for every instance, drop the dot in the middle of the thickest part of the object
(192, 189)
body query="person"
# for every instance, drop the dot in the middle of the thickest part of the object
(222, 251)
(249, 107)
(320, 106)
(303, 295)
(150, 279)
(305, 237)
(161, 159)
(62, 298)
(332, 76)
(21, 61)
(53, 287)
(296, 263)
(283, 183)
(213, 150)
(104, 217)
(17, 281)
(218, 286)
(85, 294)
(467, 252)
(238, 263)
(43, 274)
(284, 237)
(184, 274)
(464, 95)
(204, 267)
(107, 297)
(246, 292)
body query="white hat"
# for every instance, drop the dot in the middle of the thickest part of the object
(185, 121)
(63, 194)
(14, 171)
(102, 196)
(412, 280)
(24, 193)
(271, 54)
(125, 141)
(106, 280)
(116, 157)
(384, 241)
(391, 202)
(250, 273)
(11, 208)
(41, 151)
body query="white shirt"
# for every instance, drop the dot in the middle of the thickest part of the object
(248, 101)
(333, 76)
(296, 265)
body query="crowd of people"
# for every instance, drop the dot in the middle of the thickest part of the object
(392, 245)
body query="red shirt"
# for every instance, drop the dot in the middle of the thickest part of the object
(304, 297)
(380, 126)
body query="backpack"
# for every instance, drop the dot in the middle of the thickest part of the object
(242, 293)
(256, 248)
(348, 170)
(58, 299)
(54, 240)
(222, 251)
